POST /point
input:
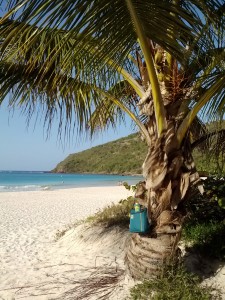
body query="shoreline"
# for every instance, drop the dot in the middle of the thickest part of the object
(55, 188)
(23, 181)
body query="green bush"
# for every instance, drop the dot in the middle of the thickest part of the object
(215, 190)
(205, 224)
(175, 283)
(208, 238)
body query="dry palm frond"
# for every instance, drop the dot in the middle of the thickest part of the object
(101, 283)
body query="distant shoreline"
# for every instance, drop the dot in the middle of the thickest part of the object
(17, 181)
(90, 173)
(63, 172)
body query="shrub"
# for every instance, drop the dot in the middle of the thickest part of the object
(174, 283)
(215, 190)
(205, 224)
(208, 238)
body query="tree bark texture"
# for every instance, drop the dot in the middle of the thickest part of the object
(168, 169)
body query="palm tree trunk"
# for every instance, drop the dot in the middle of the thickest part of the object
(168, 172)
(146, 256)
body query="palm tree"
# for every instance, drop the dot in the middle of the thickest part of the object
(160, 62)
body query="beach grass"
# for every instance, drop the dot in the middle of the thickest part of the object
(174, 283)
(114, 214)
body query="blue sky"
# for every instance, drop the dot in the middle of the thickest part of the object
(28, 149)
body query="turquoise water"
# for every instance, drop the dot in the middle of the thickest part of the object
(28, 181)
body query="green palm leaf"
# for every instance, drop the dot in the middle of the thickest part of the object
(90, 42)
(70, 99)
(109, 21)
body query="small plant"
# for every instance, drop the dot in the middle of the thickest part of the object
(174, 283)
(114, 214)
(61, 232)
(130, 187)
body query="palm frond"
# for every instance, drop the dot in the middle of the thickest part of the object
(89, 42)
(205, 140)
(197, 129)
(71, 101)
(108, 112)
(212, 100)
(109, 21)
(212, 145)
(156, 93)
(52, 49)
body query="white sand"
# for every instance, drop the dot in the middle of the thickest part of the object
(32, 264)
(86, 263)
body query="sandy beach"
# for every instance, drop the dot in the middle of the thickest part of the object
(85, 263)
(33, 264)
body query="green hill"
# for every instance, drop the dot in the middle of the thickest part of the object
(123, 156)
(126, 156)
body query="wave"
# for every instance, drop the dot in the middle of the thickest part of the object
(46, 187)
(22, 172)
(17, 188)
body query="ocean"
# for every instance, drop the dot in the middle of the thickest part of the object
(11, 181)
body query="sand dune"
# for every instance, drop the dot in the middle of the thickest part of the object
(86, 263)
(33, 264)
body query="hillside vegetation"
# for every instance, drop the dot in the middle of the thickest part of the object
(123, 156)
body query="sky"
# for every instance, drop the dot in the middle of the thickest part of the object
(28, 148)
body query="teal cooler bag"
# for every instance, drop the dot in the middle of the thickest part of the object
(139, 220)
